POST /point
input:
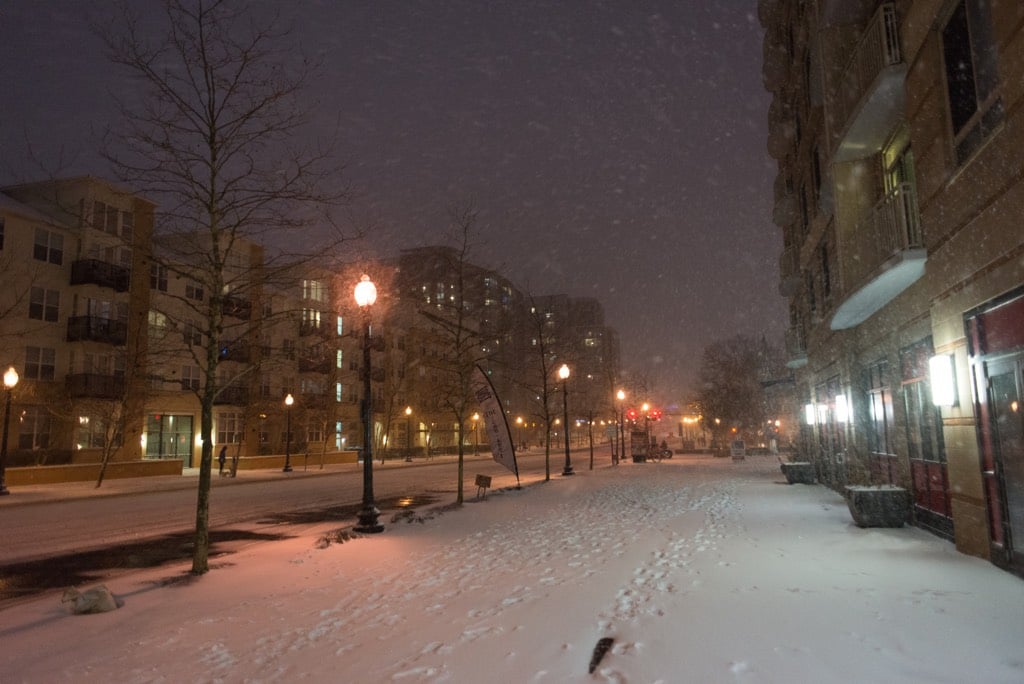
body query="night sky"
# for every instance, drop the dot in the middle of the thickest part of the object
(614, 149)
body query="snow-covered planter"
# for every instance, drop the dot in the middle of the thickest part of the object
(798, 472)
(878, 505)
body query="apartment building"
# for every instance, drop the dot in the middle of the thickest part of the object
(898, 131)
(70, 314)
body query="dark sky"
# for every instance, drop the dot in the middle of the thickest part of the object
(614, 149)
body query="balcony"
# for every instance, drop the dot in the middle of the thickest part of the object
(870, 99)
(785, 209)
(883, 258)
(232, 396)
(95, 386)
(796, 347)
(97, 329)
(237, 307)
(102, 273)
(240, 352)
(315, 365)
(789, 271)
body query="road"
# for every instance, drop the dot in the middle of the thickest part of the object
(67, 526)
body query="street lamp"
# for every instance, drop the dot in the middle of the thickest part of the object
(519, 431)
(288, 401)
(476, 435)
(366, 295)
(408, 434)
(563, 373)
(10, 380)
(621, 396)
(647, 426)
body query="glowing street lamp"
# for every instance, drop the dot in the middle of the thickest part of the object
(563, 373)
(288, 401)
(366, 295)
(476, 434)
(621, 396)
(408, 434)
(10, 380)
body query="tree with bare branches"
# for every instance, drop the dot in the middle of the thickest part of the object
(211, 132)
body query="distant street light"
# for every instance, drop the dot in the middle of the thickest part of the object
(366, 295)
(563, 373)
(519, 431)
(288, 401)
(476, 434)
(408, 434)
(10, 380)
(621, 396)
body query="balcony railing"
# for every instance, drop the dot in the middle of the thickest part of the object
(95, 386)
(102, 273)
(796, 347)
(97, 329)
(237, 307)
(789, 270)
(233, 396)
(884, 258)
(314, 365)
(870, 100)
(235, 351)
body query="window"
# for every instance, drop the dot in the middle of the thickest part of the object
(49, 247)
(288, 346)
(194, 290)
(968, 52)
(880, 435)
(338, 392)
(158, 277)
(91, 433)
(127, 225)
(314, 432)
(43, 304)
(341, 330)
(229, 428)
(192, 334)
(339, 360)
(40, 363)
(310, 319)
(265, 386)
(190, 378)
(315, 290)
(34, 428)
(157, 325)
(339, 441)
(924, 420)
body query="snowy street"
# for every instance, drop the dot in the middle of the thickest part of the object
(700, 569)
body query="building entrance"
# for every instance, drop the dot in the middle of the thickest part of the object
(169, 437)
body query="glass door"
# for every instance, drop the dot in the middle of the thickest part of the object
(1006, 443)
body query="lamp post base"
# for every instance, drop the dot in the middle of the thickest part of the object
(568, 471)
(286, 469)
(4, 491)
(368, 523)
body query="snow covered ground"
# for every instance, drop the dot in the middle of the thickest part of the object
(700, 569)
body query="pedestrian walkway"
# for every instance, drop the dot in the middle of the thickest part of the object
(21, 495)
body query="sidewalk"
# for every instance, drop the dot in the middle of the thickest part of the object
(22, 495)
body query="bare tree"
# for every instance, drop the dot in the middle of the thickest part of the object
(459, 328)
(212, 135)
(730, 393)
(538, 377)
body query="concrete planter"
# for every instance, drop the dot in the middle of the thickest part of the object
(882, 506)
(798, 472)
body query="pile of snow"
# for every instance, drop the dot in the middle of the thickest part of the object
(699, 569)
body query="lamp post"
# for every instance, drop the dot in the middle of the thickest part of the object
(408, 434)
(10, 380)
(563, 373)
(476, 434)
(519, 431)
(366, 295)
(647, 426)
(288, 401)
(621, 396)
